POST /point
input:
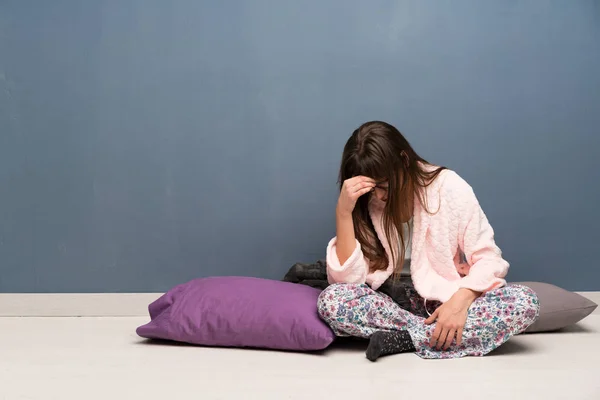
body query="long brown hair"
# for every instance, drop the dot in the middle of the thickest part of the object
(379, 151)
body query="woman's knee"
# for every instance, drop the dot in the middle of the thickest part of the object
(518, 294)
(529, 300)
(336, 296)
(525, 305)
(515, 305)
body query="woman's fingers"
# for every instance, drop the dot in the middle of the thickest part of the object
(442, 338)
(363, 191)
(449, 339)
(362, 186)
(352, 189)
(364, 178)
(353, 185)
(432, 317)
(435, 336)
(359, 179)
(362, 183)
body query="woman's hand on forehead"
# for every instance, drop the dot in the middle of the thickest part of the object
(352, 189)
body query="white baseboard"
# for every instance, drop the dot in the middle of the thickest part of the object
(75, 304)
(100, 304)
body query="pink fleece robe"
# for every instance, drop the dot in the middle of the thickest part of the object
(454, 229)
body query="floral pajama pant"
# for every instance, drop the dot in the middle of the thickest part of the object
(357, 310)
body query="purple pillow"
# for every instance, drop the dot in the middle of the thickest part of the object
(239, 312)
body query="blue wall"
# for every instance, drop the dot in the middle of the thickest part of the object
(144, 143)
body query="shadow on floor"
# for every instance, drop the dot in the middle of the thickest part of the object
(576, 328)
(169, 343)
(350, 344)
(358, 345)
(161, 342)
(510, 348)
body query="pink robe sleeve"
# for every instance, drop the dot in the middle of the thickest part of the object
(487, 267)
(354, 270)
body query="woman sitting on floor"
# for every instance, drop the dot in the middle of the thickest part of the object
(398, 212)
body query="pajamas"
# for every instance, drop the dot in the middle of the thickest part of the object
(357, 310)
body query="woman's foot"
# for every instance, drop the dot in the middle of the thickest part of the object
(384, 343)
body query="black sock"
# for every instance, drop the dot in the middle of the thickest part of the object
(385, 343)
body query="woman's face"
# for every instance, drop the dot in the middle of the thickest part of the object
(381, 191)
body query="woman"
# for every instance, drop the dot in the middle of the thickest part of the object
(398, 212)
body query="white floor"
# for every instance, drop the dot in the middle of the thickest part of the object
(102, 358)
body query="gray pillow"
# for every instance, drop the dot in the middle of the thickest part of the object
(558, 307)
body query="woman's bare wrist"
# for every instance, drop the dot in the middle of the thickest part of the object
(342, 214)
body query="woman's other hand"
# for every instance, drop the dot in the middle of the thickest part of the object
(451, 318)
